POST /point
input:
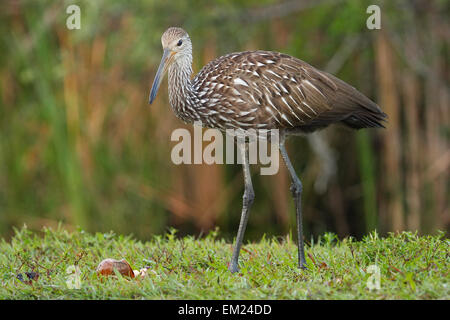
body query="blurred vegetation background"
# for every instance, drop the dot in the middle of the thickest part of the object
(79, 144)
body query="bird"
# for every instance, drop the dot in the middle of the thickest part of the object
(262, 90)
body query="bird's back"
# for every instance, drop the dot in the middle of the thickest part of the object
(262, 89)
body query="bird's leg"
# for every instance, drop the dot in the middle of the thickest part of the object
(249, 196)
(296, 189)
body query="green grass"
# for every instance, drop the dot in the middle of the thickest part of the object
(411, 267)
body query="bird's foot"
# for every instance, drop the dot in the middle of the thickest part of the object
(233, 267)
(302, 264)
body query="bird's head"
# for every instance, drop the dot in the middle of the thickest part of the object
(177, 48)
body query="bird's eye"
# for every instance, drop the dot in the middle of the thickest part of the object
(180, 43)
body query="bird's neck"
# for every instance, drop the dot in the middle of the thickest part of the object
(182, 95)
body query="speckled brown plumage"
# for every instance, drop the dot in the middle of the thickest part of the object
(261, 89)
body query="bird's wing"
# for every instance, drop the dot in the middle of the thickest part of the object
(260, 89)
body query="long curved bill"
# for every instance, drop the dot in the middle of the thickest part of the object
(164, 64)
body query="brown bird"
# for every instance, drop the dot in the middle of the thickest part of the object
(260, 90)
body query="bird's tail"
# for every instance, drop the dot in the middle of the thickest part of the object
(358, 110)
(366, 119)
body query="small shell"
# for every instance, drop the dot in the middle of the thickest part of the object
(107, 266)
(143, 272)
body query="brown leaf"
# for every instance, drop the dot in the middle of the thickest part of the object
(312, 258)
(323, 265)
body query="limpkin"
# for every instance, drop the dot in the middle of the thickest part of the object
(260, 90)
